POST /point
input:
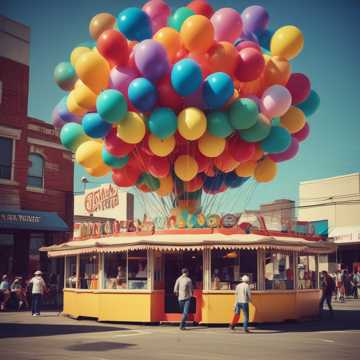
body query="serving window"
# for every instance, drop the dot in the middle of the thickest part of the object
(70, 272)
(228, 267)
(307, 270)
(278, 271)
(88, 275)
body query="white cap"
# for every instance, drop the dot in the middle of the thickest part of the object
(245, 278)
(38, 272)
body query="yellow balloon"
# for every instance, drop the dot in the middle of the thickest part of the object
(73, 106)
(186, 167)
(192, 123)
(265, 170)
(98, 171)
(169, 38)
(293, 120)
(246, 168)
(161, 147)
(277, 71)
(166, 186)
(88, 154)
(211, 146)
(84, 96)
(77, 52)
(132, 128)
(287, 42)
(93, 70)
(99, 23)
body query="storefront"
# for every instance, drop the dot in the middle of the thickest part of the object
(130, 277)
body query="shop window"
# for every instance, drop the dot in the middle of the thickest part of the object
(137, 269)
(227, 268)
(6, 155)
(6, 253)
(36, 171)
(115, 274)
(70, 272)
(278, 271)
(88, 276)
(306, 272)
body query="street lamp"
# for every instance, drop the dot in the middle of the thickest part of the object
(85, 181)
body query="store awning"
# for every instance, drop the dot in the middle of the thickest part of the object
(187, 242)
(346, 235)
(31, 220)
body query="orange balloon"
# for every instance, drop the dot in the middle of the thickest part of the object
(277, 71)
(265, 170)
(170, 39)
(166, 186)
(225, 162)
(186, 167)
(222, 57)
(99, 23)
(255, 87)
(194, 185)
(211, 146)
(197, 33)
(293, 120)
(84, 96)
(246, 168)
(259, 153)
(73, 106)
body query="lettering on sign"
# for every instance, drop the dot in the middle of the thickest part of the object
(17, 218)
(43, 130)
(102, 199)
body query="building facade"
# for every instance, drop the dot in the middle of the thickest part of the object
(36, 199)
(336, 200)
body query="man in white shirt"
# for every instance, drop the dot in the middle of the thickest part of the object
(242, 299)
(184, 290)
(38, 288)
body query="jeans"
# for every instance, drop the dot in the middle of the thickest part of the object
(185, 308)
(36, 303)
(327, 298)
(245, 309)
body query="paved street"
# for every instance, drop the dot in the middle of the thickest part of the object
(56, 337)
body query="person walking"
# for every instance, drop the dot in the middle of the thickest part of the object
(242, 299)
(4, 291)
(18, 290)
(328, 287)
(184, 291)
(356, 284)
(38, 288)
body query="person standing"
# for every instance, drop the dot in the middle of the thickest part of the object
(4, 291)
(356, 284)
(184, 291)
(242, 299)
(328, 287)
(38, 288)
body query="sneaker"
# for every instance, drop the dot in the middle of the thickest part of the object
(232, 327)
(34, 314)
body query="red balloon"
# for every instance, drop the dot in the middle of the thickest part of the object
(113, 46)
(126, 176)
(115, 145)
(203, 162)
(299, 86)
(181, 54)
(159, 166)
(226, 162)
(210, 171)
(143, 187)
(302, 134)
(131, 62)
(168, 97)
(201, 7)
(241, 150)
(144, 145)
(204, 62)
(247, 44)
(195, 184)
(250, 65)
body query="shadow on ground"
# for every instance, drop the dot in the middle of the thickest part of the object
(30, 330)
(99, 346)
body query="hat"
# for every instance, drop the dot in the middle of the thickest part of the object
(245, 278)
(4, 277)
(38, 272)
(184, 271)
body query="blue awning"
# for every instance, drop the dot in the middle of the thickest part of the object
(31, 220)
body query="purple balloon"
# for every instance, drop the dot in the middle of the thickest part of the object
(302, 134)
(151, 59)
(57, 121)
(255, 19)
(121, 77)
(196, 99)
(291, 152)
(65, 114)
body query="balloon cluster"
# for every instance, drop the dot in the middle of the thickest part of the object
(184, 102)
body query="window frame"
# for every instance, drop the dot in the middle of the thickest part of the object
(31, 186)
(12, 162)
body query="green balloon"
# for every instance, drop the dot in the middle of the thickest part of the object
(72, 135)
(257, 132)
(218, 124)
(150, 181)
(243, 114)
(311, 104)
(276, 121)
(180, 15)
(114, 161)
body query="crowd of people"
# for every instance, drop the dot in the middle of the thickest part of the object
(20, 293)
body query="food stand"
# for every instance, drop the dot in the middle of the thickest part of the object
(129, 276)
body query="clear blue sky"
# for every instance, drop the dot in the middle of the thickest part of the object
(330, 58)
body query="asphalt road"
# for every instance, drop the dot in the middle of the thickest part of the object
(56, 337)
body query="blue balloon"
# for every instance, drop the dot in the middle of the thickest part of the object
(94, 125)
(214, 183)
(135, 24)
(217, 90)
(278, 140)
(65, 114)
(142, 94)
(311, 104)
(111, 106)
(186, 77)
(234, 181)
(114, 161)
(265, 39)
(163, 122)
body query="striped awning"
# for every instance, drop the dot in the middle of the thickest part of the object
(187, 242)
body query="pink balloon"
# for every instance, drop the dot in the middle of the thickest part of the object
(121, 77)
(302, 134)
(158, 12)
(227, 24)
(247, 44)
(288, 154)
(276, 101)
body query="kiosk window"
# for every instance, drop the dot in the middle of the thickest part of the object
(70, 272)
(137, 269)
(88, 276)
(278, 271)
(115, 274)
(306, 272)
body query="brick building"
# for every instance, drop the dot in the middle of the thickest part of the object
(36, 171)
